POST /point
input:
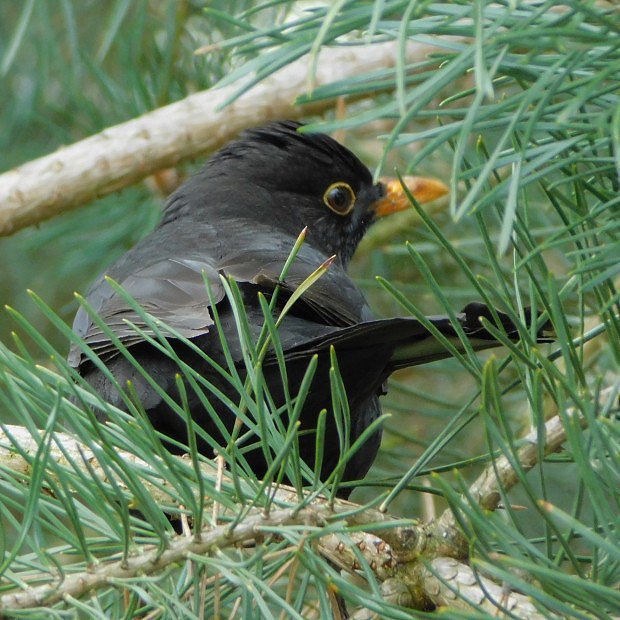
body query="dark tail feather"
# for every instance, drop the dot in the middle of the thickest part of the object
(411, 342)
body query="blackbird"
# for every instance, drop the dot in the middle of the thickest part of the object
(240, 217)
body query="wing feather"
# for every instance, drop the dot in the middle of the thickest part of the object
(172, 290)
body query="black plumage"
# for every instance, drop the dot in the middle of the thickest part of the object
(239, 217)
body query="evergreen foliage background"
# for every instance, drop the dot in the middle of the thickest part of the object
(519, 109)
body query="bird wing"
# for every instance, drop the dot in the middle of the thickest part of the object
(334, 299)
(172, 290)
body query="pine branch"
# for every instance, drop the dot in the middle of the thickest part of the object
(153, 559)
(417, 563)
(124, 154)
(501, 474)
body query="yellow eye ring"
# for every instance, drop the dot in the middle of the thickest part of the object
(340, 198)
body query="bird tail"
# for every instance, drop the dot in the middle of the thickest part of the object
(428, 348)
(413, 342)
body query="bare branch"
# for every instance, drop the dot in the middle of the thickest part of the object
(124, 154)
(501, 474)
(449, 583)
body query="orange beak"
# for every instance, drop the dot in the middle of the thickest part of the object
(395, 199)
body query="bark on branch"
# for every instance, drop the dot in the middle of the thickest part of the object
(124, 154)
(502, 475)
(417, 563)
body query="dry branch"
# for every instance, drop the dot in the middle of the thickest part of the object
(124, 154)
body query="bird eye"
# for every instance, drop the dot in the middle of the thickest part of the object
(340, 198)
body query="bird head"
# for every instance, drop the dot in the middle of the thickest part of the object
(294, 180)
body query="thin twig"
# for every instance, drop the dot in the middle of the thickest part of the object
(219, 459)
(502, 475)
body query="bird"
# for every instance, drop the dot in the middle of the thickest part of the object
(237, 220)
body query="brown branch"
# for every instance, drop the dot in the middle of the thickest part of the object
(453, 584)
(77, 458)
(152, 559)
(501, 474)
(124, 154)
